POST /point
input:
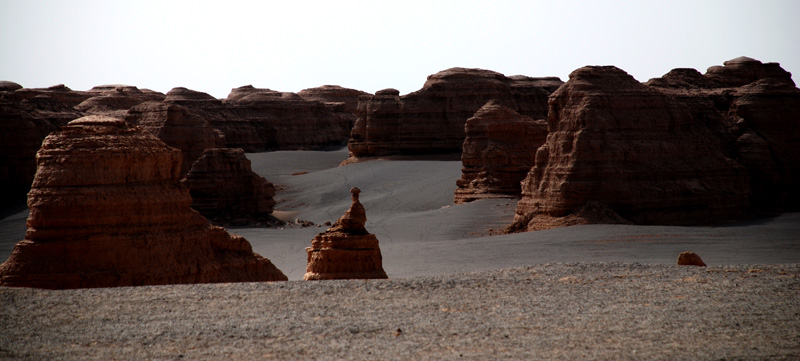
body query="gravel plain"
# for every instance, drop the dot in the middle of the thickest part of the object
(551, 311)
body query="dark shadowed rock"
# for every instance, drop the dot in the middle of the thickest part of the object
(224, 187)
(498, 152)
(177, 127)
(690, 259)
(9, 86)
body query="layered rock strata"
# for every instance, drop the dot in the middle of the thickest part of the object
(633, 149)
(498, 152)
(115, 100)
(346, 250)
(177, 127)
(431, 120)
(224, 187)
(107, 209)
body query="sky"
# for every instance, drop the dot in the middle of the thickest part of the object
(290, 45)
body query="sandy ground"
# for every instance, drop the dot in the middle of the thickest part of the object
(598, 292)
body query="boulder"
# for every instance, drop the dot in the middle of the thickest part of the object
(107, 209)
(9, 86)
(632, 148)
(690, 259)
(224, 187)
(346, 250)
(431, 120)
(177, 127)
(498, 152)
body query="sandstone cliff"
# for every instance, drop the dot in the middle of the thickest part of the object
(224, 188)
(107, 209)
(346, 250)
(431, 120)
(632, 149)
(498, 152)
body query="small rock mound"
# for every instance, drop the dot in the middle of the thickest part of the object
(346, 250)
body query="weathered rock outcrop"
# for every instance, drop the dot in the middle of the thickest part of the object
(115, 100)
(333, 94)
(9, 86)
(632, 148)
(262, 119)
(498, 152)
(431, 120)
(224, 187)
(107, 209)
(60, 94)
(754, 109)
(23, 125)
(177, 127)
(346, 250)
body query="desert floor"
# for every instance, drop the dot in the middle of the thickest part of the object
(599, 291)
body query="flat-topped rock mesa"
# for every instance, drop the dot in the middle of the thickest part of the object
(346, 250)
(498, 152)
(631, 148)
(115, 100)
(107, 209)
(177, 127)
(224, 187)
(263, 119)
(296, 123)
(431, 120)
(57, 93)
(758, 122)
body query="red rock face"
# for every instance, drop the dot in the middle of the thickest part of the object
(498, 152)
(346, 250)
(107, 210)
(432, 119)
(177, 127)
(223, 187)
(632, 148)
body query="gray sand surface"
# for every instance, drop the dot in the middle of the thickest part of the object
(599, 291)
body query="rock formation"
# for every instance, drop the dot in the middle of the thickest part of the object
(754, 109)
(346, 250)
(431, 120)
(115, 100)
(333, 95)
(24, 123)
(690, 259)
(632, 148)
(224, 188)
(498, 152)
(263, 119)
(107, 209)
(9, 86)
(177, 127)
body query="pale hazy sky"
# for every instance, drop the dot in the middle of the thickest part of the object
(213, 46)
